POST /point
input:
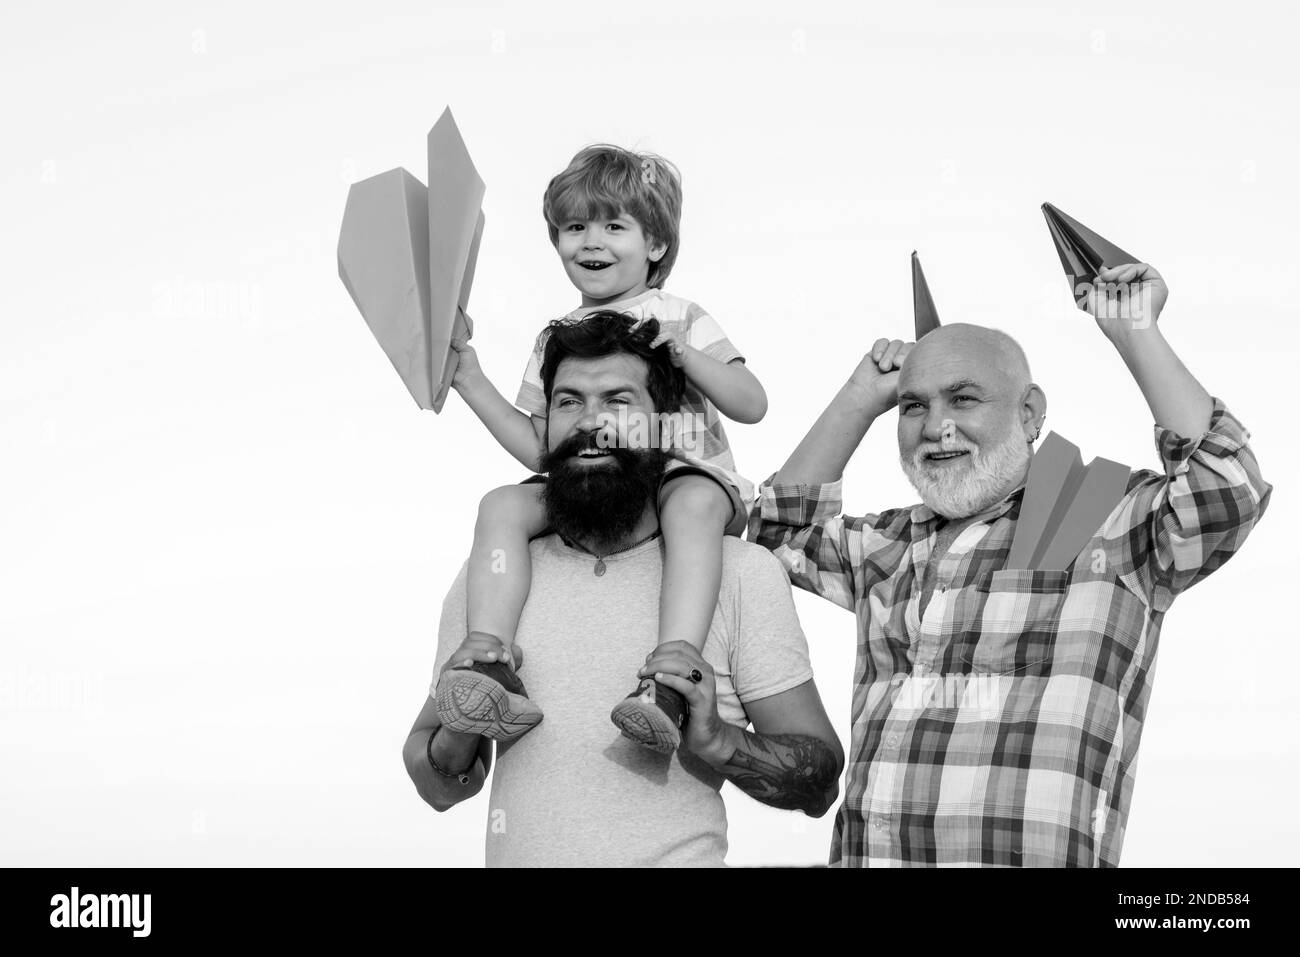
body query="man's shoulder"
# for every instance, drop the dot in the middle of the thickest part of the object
(759, 619)
(747, 561)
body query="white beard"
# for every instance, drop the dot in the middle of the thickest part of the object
(975, 485)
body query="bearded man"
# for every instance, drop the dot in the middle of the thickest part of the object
(573, 791)
(997, 711)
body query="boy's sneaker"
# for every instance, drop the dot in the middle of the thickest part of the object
(486, 698)
(653, 716)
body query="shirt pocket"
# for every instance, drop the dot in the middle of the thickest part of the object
(1019, 616)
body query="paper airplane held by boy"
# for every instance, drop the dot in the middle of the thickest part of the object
(407, 255)
(1064, 502)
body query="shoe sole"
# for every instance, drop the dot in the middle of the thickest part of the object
(473, 703)
(647, 725)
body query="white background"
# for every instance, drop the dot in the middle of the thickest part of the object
(226, 530)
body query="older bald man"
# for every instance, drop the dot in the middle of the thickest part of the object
(997, 711)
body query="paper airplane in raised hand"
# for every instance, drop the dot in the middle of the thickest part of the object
(407, 255)
(1064, 505)
(925, 315)
(1083, 253)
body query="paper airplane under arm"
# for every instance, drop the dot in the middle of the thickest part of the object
(1101, 488)
(1050, 471)
(924, 313)
(1083, 253)
(1064, 505)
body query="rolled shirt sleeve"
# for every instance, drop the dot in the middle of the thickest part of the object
(802, 526)
(1182, 525)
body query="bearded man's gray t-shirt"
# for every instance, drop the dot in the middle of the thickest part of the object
(574, 791)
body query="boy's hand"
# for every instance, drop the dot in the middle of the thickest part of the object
(1126, 299)
(671, 664)
(480, 646)
(676, 351)
(468, 371)
(877, 374)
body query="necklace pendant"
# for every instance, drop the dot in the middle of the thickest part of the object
(600, 567)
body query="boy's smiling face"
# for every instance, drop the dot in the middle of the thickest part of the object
(607, 259)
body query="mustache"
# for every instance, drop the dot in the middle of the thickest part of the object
(587, 442)
(956, 445)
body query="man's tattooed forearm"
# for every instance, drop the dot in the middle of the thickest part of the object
(791, 771)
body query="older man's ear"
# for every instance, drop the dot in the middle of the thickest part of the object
(1033, 410)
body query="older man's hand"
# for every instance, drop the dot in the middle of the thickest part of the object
(1127, 299)
(877, 374)
(671, 664)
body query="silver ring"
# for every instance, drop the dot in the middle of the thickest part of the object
(696, 675)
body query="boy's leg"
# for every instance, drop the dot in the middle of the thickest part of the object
(694, 512)
(488, 698)
(500, 566)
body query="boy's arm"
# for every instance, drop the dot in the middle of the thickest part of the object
(518, 433)
(714, 366)
(730, 386)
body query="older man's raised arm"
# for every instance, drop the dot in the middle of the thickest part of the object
(1182, 525)
(871, 391)
(797, 513)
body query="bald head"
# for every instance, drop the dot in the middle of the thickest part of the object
(961, 345)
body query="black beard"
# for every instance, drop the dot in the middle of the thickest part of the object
(599, 505)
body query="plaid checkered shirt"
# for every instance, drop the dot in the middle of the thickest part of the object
(996, 719)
